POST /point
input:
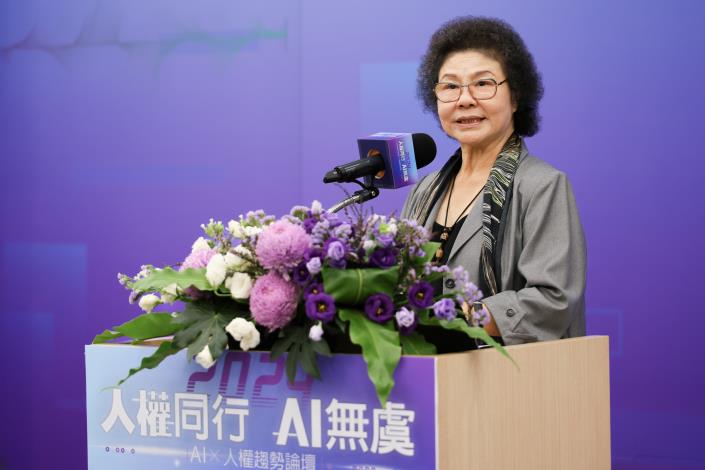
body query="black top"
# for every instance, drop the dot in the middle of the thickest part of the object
(446, 341)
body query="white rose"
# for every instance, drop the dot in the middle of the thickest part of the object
(240, 327)
(169, 293)
(235, 229)
(243, 331)
(235, 262)
(316, 332)
(205, 358)
(216, 270)
(250, 341)
(240, 285)
(200, 244)
(369, 244)
(148, 302)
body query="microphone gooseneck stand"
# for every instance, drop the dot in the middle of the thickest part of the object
(358, 197)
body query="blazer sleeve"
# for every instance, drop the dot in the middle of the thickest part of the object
(550, 268)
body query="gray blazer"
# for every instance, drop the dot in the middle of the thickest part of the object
(543, 255)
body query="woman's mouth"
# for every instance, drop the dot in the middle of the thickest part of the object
(469, 120)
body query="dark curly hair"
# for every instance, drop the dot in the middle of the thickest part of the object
(498, 40)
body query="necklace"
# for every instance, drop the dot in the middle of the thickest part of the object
(446, 229)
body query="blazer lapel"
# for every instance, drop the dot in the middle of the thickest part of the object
(471, 227)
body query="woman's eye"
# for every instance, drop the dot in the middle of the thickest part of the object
(450, 86)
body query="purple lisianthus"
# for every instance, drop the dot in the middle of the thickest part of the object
(312, 289)
(320, 306)
(421, 294)
(312, 252)
(314, 266)
(282, 245)
(335, 251)
(444, 309)
(386, 239)
(301, 274)
(379, 307)
(406, 320)
(385, 257)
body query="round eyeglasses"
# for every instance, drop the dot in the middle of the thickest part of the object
(483, 89)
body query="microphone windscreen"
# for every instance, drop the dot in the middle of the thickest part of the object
(424, 149)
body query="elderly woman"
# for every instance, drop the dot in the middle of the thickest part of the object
(509, 218)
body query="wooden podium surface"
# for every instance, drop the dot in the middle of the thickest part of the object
(550, 413)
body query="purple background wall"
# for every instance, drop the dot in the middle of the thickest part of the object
(124, 125)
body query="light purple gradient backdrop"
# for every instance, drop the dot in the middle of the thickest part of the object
(124, 125)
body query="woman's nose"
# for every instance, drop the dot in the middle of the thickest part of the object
(466, 99)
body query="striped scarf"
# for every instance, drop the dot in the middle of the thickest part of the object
(495, 203)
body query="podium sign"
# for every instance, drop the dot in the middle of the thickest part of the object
(242, 413)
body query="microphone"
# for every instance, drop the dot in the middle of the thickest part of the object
(387, 160)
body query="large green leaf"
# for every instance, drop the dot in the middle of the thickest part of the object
(353, 286)
(166, 349)
(146, 326)
(380, 349)
(157, 280)
(416, 345)
(202, 327)
(461, 325)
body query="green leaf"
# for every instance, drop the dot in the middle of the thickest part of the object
(291, 362)
(461, 325)
(280, 346)
(308, 362)
(157, 280)
(353, 286)
(380, 349)
(146, 326)
(321, 347)
(429, 249)
(164, 350)
(416, 345)
(202, 327)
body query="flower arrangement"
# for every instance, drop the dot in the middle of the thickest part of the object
(306, 284)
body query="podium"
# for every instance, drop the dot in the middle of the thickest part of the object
(470, 410)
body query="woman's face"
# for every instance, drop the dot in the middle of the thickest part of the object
(476, 123)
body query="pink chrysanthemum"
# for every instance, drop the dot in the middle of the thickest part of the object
(282, 245)
(273, 301)
(198, 259)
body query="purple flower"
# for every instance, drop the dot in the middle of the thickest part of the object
(481, 316)
(309, 223)
(301, 274)
(406, 320)
(405, 317)
(386, 239)
(282, 245)
(379, 307)
(313, 289)
(320, 307)
(444, 309)
(421, 294)
(314, 266)
(273, 301)
(312, 252)
(335, 251)
(384, 257)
